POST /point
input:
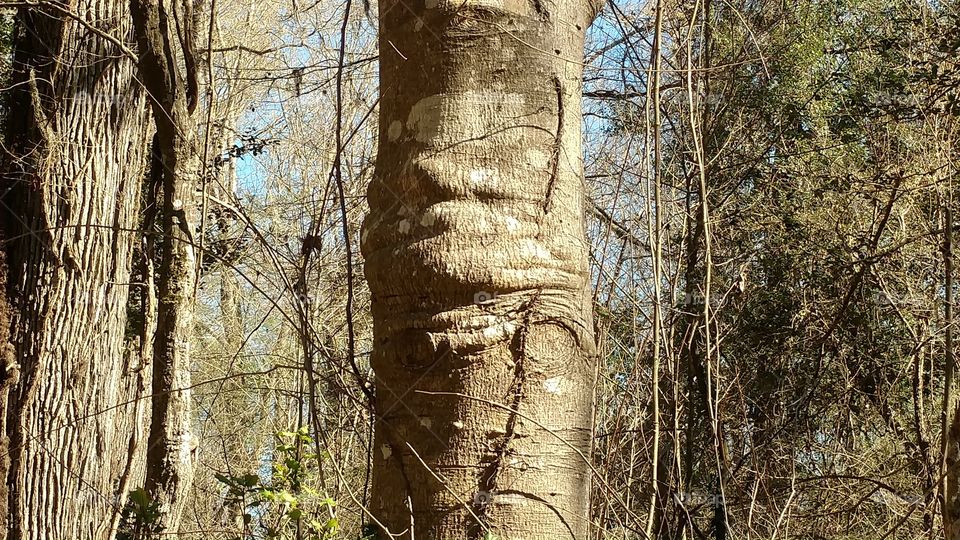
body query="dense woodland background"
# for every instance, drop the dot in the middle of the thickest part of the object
(769, 188)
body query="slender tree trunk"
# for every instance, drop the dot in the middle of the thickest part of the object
(163, 40)
(660, 496)
(477, 261)
(72, 185)
(950, 447)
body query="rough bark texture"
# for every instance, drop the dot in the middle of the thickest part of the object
(171, 451)
(9, 377)
(71, 184)
(477, 261)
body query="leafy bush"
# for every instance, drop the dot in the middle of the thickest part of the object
(283, 506)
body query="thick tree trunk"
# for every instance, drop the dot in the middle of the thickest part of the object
(477, 261)
(72, 182)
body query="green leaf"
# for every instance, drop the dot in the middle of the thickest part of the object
(140, 498)
(248, 480)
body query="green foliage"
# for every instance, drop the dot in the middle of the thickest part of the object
(840, 111)
(284, 506)
(6, 56)
(140, 517)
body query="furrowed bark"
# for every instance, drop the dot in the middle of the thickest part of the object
(477, 261)
(72, 419)
(171, 451)
(9, 377)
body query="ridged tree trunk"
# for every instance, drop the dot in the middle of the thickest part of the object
(71, 184)
(171, 451)
(478, 264)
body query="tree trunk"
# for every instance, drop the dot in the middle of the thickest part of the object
(478, 265)
(72, 182)
(950, 447)
(171, 452)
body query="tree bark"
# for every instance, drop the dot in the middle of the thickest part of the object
(171, 453)
(478, 266)
(72, 179)
(950, 447)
